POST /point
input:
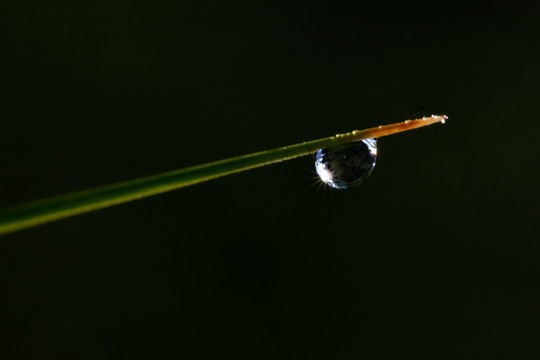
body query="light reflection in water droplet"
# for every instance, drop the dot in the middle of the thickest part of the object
(346, 165)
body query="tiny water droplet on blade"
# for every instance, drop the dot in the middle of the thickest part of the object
(346, 165)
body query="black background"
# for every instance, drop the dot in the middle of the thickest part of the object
(435, 256)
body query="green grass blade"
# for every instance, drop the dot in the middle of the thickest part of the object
(43, 211)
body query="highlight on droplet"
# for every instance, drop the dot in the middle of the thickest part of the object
(346, 165)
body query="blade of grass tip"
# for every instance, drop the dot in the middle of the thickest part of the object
(43, 211)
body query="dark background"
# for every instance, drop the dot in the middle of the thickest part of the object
(435, 256)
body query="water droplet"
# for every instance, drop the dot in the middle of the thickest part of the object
(346, 165)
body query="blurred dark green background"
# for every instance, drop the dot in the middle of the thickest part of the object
(435, 256)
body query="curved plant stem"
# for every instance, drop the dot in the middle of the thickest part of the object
(55, 208)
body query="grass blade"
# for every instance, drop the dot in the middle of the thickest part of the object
(43, 211)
